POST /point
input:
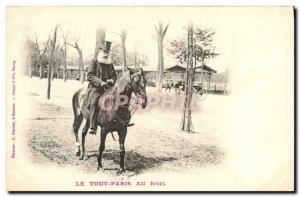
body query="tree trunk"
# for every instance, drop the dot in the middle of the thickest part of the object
(51, 64)
(30, 70)
(41, 71)
(57, 73)
(40, 68)
(100, 40)
(161, 31)
(195, 66)
(208, 81)
(186, 123)
(160, 67)
(52, 73)
(81, 69)
(123, 40)
(65, 64)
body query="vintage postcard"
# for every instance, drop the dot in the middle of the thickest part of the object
(154, 98)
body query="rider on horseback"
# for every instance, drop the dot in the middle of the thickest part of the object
(101, 73)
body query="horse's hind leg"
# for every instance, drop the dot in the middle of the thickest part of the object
(84, 132)
(101, 147)
(76, 126)
(122, 135)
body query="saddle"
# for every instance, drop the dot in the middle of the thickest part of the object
(86, 99)
(108, 117)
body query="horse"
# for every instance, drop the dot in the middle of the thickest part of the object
(198, 88)
(114, 119)
(179, 87)
(168, 85)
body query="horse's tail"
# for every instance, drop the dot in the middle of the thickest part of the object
(77, 118)
(75, 104)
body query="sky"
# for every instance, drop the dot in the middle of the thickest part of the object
(82, 22)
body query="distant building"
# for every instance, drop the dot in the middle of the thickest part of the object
(72, 71)
(150, 74)
(178, 72)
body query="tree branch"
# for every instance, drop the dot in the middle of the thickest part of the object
(156, 28)
(65, 36)
(117, 33)
(165, 30)
(47, 43)
(70, 44)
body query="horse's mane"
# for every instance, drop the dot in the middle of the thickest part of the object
(124, 78)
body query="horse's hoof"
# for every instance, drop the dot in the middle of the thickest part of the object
(77, 154)
(81, 158)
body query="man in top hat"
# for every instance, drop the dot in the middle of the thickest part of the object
(101, 74)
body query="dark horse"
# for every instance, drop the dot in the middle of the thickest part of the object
(115, 118)
(169, 85)
(179, 87)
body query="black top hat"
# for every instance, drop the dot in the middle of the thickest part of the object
(106, 46)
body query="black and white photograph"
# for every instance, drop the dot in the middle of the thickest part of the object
(150, 98)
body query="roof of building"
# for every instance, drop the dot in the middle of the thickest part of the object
(176, 67)
(206, 68)
(182, 68)
(145, 68)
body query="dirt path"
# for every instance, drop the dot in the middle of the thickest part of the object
(50, 138)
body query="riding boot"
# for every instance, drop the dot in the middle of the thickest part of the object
(93, 118)
(130, 124)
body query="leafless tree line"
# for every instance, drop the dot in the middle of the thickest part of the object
(47, 57)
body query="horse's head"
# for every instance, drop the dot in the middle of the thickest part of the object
(138, 84)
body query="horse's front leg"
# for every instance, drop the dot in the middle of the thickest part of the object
(122, 135)
(101, 147)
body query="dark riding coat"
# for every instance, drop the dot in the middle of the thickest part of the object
(98, 72)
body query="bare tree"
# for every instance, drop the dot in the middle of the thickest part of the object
(161, 32)
(65, 38)
(80, 60)
(123, 40)
(186, 123)
(137, 58)
(50, 65)
(100, 40)
(123, 36)
(58, 57)
(41, 53)
(61, 60)
(31, 57)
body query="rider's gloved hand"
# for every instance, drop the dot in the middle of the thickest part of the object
(110, 81)
(103, 83)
